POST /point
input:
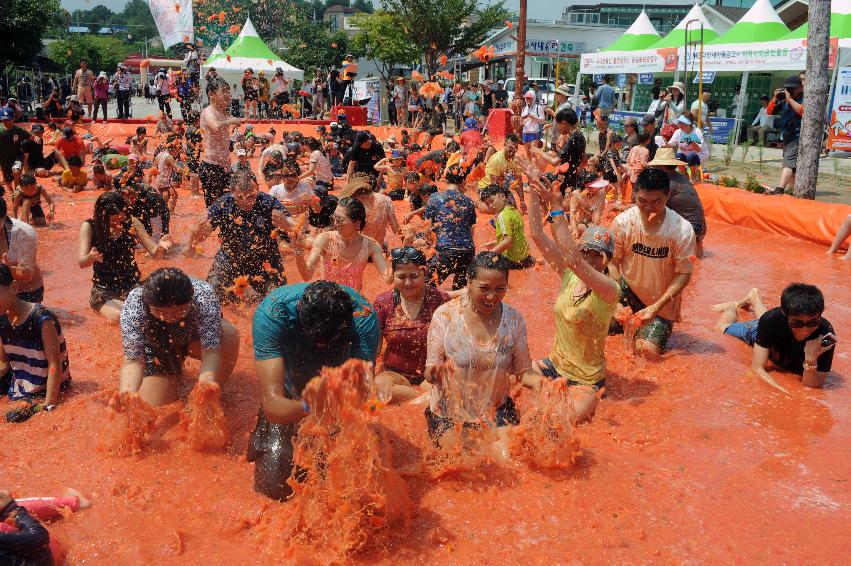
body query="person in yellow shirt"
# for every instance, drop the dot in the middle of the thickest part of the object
(584, 306)
(74, 178)
(502, 169)
(510, 237)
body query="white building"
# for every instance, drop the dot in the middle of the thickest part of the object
(545, 42)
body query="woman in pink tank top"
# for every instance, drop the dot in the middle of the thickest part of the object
(343, 252)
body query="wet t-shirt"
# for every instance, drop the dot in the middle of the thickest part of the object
(453, 215)
(509, 222)
(572, 153)
(276, 333)
(365, 159)
(11, 140)
(216, 140)
(405, 339)
(774, 334)
(246, 234)
(481, 381)
(378, 215)
(650, 262)
(684, 200)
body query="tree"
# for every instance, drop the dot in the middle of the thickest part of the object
(22, 27)
(446, 27)
(382, 39)
(363, 6)
(101, 52)
(94, 19)
(815, 100)
(137, 17)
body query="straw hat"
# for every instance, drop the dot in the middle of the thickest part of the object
(357, 182)
(679, 86)
(665, 156)
(563, 90)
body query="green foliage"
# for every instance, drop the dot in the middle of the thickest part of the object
(567, 71)
(760, 147)
(382, 39)
(23, 23)
(725, 181)
(101, 52)
(745, 147)
(446, 27)
(752, 185)
(363, 6)
(729, 150)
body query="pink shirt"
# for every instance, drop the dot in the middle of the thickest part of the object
(101, 89)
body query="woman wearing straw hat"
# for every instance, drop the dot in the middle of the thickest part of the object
(672, 102)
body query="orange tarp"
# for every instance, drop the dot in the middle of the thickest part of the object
(808, 220)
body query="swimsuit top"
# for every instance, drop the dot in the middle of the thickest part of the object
(341, 270)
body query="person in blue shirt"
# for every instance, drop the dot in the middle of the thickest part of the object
(297, 330)
(605, 97)
(453, 217)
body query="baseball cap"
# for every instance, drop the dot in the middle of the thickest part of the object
(470, 123)
(792, 82)
(648, 119)
(598, 239)
(529, 94)
(7, 114)
(362, 137)
(396, 154)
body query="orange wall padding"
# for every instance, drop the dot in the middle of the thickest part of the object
(813, 221)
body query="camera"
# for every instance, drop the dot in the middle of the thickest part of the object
(828, 341)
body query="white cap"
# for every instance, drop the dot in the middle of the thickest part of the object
(241, 151)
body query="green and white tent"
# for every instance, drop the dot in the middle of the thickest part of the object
(640, 35)
(677, 36)
(248, 51)
(215, 53)
(840, 22)
(759, 25)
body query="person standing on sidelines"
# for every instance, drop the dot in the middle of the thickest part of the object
(82, 84)
(123, 84)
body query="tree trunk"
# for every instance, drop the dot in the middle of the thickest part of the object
(816, 90)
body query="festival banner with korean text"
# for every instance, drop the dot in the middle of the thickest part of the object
(839, 127)
(174, 21)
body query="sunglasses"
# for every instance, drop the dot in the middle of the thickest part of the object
(407, 254)
(814, 323)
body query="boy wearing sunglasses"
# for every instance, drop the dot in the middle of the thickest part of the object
(794, 336)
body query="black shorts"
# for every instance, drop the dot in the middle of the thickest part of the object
(47, 163)
(215, 181)
(506, 414)
(657, 331)
(270, 447)
(101, 295)
(6, 169)
(451, 261)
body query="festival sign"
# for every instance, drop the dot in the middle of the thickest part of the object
(784, 55)
(654, 61)
(174, 21)
(839, 128)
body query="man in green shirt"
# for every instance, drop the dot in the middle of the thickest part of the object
(510, 237)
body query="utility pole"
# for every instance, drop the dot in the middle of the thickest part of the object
(521, 53)
(816, 91)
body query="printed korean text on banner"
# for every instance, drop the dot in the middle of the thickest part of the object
(626, 62)
(722, 129)
(174, 21)
(645, 78)
(839, 130)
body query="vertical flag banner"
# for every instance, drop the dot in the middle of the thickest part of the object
(174, 21)
(839, 127)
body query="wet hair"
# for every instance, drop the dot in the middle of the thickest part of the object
(108, 204)
(491, 191)
(325, 313)
(617, 138)
(5, 275)
(141, 130)
(487, 260)
(800, 298)
(567, 115)
(291, 170)
(455, 174)
(27, 179)
(167, 287)
(653, 180)
(604, 119)
(240, 176)
(355, 210)
(75, 160)
(644, 137)
(53, 125)
(216, 83)
(314, 144)
(412, 176)
(512, 138)
(407, 255)
(98, 168)
(452, 146)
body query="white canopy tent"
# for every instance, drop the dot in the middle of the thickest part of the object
(248, 51)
